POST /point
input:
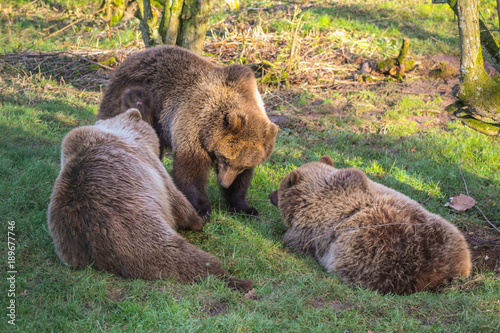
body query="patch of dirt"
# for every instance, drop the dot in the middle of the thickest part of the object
(321, 303)
(485, 249)
(392, 151)
(438, 118)
(116, 294)
(279, 119)
(214, 308)
(293, 122)
(251, 295)
(171, 290)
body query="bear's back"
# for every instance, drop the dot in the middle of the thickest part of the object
(168, 71)
(107, 200)
(393, 244)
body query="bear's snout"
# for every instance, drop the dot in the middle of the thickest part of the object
(227, 176)
(274, 198)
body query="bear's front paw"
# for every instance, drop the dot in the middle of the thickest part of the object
(247, 210)
(204, 212)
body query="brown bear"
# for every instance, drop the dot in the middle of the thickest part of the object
(205, 114)
(368, 234)
(115, 206)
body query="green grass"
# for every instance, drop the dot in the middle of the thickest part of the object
(23, 25)
(397, 138)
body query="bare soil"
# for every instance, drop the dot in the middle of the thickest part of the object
(485, 248)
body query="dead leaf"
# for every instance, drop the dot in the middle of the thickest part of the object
(47, 87)
(461, 203)
(250, 294)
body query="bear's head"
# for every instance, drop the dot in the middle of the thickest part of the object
(247, 143)
(306, 175)
(139, 98)
(131, 126)
(248, 136)
(316, 181)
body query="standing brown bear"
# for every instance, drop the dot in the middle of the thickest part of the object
(115, 206)
(368, 234)
(205, 113)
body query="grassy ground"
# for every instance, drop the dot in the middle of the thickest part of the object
(395, 131)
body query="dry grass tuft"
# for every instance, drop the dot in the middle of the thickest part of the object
(84, 70)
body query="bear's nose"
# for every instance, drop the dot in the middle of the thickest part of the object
(274, 198)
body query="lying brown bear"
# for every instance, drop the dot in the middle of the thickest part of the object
(115, 206)
(367, 234)
(206, 114)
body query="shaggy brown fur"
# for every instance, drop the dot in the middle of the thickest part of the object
(115, 206)
(204, 113)
(366, 233)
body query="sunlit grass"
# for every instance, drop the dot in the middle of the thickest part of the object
(393, 137)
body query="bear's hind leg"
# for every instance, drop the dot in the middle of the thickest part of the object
(191, 264)
(185, 216)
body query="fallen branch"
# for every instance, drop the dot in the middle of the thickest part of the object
(477, 174)
(490, 223)
(479, 209)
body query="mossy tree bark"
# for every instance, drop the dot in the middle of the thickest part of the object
(170, 21)
(489, 44)
(194, 24)
(147, 22)
(498, 11)
(183, 22)
(479, 95)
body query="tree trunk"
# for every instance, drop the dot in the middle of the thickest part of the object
(169, 25)
(479, 94)
(183, 22)
(194, 24)
(147, 22)
(498, 13)
(490, 46)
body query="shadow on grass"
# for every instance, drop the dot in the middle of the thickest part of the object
(53, 111)
(29, 156)
(81, 71)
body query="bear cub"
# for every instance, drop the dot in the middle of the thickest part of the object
(368, 234)
(114, 206)
(206, 114)
(141, 99)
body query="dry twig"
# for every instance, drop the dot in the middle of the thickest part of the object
(66, 27)
(479, 209)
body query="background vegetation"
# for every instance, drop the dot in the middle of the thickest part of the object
(307, 60)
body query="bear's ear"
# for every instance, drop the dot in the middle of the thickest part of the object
(294, 178)
(327, 160)
(133, 114)
(235, 122)
(239, 73)
(272, 130)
